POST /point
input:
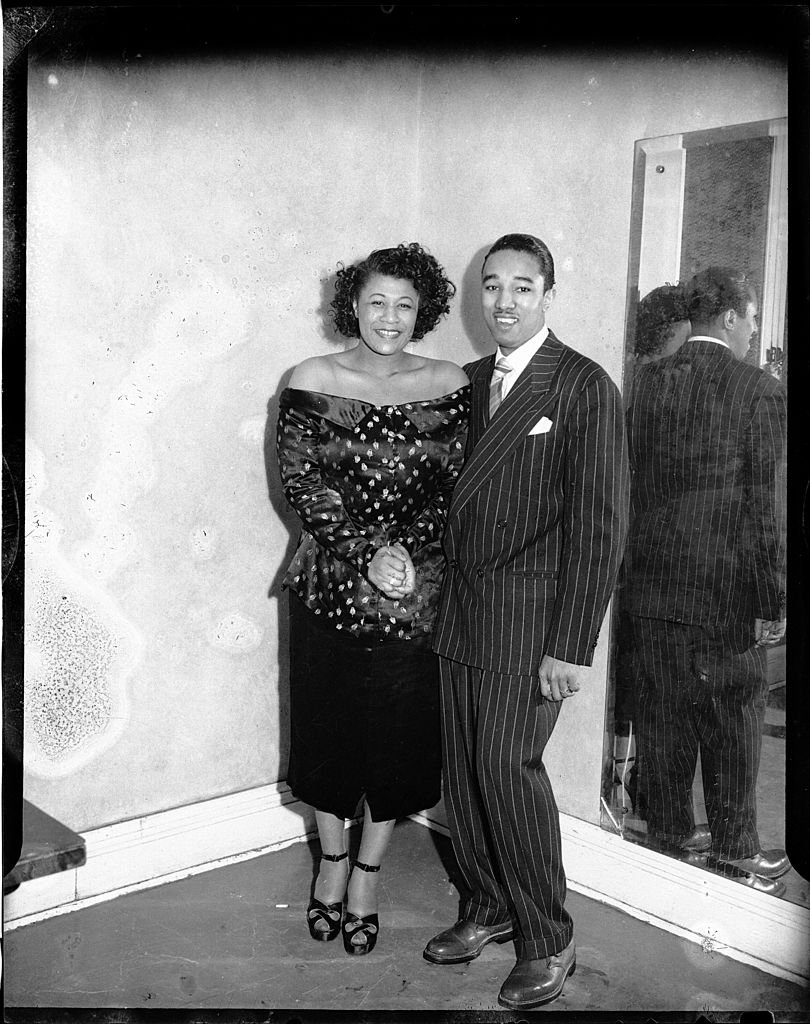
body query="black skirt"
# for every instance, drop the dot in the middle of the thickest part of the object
(364, 721)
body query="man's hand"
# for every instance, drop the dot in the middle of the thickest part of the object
(560, 679)
(769, 631)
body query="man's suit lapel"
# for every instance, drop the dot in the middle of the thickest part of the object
(529, 399)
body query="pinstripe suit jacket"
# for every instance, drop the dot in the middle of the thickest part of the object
(706, 436)
(537, 523)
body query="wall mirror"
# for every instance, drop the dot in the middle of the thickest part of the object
(699, 199)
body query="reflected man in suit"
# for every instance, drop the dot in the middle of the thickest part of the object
(533, 543)
(704, 573)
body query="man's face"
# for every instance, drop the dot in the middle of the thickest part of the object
(744, 328)
(513, 297)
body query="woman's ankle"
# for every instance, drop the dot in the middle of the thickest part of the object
(330, 885)
(362, 898)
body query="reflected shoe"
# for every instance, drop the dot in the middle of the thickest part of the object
(694, 849)
(464, 941)
(534, 982)
(772, 886)
(699, 840)
(766, 863)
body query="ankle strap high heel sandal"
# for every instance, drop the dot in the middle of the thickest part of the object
(328, 914)
(368, 927)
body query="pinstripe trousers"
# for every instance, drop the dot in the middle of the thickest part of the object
(703, 689)
(501, 809)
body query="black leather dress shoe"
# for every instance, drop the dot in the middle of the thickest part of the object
(534, 982)
(464, 941)
(766, 863)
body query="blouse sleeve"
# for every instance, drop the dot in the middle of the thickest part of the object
(429, 525)
(320, 508)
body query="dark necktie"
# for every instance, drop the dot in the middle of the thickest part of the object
(502, 367)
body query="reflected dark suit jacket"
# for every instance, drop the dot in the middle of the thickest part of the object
(537, 523)
(706, 435)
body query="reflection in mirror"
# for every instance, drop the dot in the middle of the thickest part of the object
(695, 736)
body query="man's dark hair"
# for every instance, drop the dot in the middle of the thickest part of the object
(715, 290)
(531, 245)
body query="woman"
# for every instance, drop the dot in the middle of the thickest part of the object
(370, 443)
(662, 326)
(662, 323)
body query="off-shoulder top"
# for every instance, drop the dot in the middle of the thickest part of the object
(360, 476)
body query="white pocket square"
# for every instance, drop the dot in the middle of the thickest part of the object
(542, 426)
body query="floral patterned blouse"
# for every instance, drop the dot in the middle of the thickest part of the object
(360, 476)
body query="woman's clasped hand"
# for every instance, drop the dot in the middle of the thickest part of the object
(391, 571)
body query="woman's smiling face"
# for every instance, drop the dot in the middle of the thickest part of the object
(386, 311)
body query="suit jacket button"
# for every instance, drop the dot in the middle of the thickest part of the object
(479, 572)
(453, 563)
(502, 523)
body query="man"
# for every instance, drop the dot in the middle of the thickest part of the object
(704, 574)
(533, 543)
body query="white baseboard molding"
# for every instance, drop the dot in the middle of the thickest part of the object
(720, 916)
(717, 915)
(144, 852)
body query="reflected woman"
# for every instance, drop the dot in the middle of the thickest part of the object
(662, 326)
(662, 323)
(370, 442)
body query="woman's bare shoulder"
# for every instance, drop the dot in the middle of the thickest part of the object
(447, 376)
(314, 374)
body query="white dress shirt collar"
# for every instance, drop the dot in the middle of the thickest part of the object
(520, 358)
(708, 337)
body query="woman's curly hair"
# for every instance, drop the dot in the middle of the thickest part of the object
(406, 263)
(656, 315)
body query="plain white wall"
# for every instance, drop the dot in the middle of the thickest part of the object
(184, 218)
